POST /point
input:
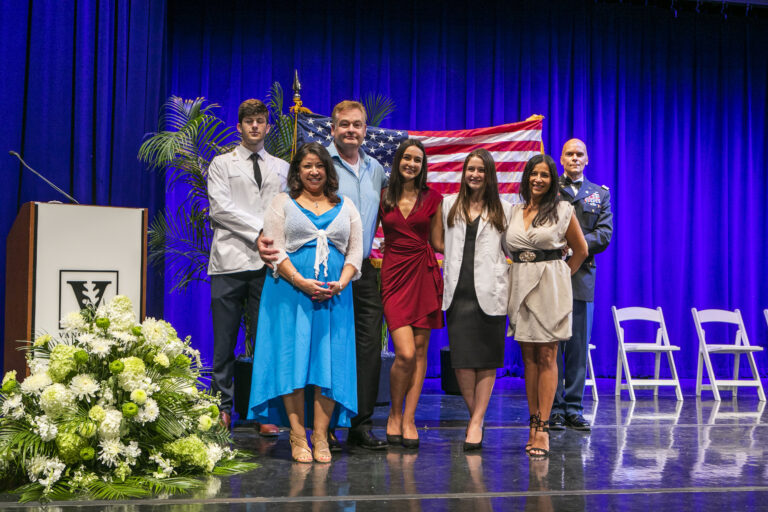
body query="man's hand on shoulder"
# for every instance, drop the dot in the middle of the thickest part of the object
(266, 251)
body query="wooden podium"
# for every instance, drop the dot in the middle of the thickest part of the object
(63, 257)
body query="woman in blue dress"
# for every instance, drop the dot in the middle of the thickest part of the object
(305, 344)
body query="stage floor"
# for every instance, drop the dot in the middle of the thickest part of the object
(653, 454)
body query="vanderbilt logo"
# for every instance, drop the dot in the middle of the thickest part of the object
(80, 289)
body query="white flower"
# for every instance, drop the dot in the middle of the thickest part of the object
(100, 346)
(110, 427)
(85, 338)
(120, 313)
(214, 453)
(84, 386)
(131, 452)
(126, 338)
(138, 396)
(148, 413)
(35, 383)
(45, 428)
(107, 396)
(45, 471)
(164, 466)
(73, 321)
(56, 400)
(110, 451)
(13, 407)
(38, 365)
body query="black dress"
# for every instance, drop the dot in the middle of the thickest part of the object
(476, 339)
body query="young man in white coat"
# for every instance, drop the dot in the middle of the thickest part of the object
(241, 184)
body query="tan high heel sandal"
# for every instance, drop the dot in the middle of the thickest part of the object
(320, 449)
(300, 448)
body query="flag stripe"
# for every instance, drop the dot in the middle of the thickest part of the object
(453, 188)
(455, 177)
(498, 156)
(506, 145)
(520, 127)
(501, 167)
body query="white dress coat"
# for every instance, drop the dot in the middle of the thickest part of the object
(237, 207)
(491, 267)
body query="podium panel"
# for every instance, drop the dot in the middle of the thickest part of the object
(65, 257)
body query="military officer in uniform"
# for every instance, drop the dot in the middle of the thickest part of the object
(592, 206)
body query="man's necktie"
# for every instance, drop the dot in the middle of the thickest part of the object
(256, 169)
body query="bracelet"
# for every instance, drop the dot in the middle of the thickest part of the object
(293, 278)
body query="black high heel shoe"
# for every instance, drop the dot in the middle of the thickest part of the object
(410, 443)
(468, 447)
(540, 453)
(394, 438)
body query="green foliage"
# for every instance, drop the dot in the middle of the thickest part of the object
(378, 107)
(279, 140)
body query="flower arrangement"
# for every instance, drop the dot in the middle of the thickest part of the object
(111, 409)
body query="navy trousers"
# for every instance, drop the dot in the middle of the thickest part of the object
(229, 293)
(572, 362)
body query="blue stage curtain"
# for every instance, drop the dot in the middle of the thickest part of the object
(82, 83)
(673, 110)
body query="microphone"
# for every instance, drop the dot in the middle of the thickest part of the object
(54, 187)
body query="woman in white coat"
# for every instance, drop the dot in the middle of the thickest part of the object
(476, 276)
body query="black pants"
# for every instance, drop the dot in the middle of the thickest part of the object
(368, 314)
(228, 295)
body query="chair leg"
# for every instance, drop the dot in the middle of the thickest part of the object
(627, 375)
(673, 371)
(736, 360)
(656, 373)
(591, 374)
(711, 375)
(617, 391)
(699, 376)
(756, 376)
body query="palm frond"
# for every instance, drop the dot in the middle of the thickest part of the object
(378, 107)
(131, 488)
(172, 485)
(181, 243)
(231, 467)
(275, 99)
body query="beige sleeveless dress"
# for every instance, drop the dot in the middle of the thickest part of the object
(540, 295)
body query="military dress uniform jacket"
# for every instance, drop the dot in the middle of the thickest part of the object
(592, 206)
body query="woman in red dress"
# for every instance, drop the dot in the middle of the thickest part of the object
(411, 284)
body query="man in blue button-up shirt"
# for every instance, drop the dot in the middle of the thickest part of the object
(361, 179)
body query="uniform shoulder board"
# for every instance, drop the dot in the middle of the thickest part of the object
(605, 187)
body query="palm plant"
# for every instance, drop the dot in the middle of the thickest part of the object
(190, 137)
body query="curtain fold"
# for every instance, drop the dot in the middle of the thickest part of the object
(82, 84)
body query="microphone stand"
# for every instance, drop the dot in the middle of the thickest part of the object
(54, 187)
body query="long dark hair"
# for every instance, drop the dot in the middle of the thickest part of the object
(295, 186)
(395, 188)
(492, 207)
(548, 204)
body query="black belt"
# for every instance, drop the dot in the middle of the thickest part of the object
(531, 256)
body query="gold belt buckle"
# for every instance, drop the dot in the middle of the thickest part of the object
(527, 256)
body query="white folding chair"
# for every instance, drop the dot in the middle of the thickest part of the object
(590, 380)
(738, 347)
(659, 346)
(765, 312)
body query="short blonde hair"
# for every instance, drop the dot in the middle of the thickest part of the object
(346, 105)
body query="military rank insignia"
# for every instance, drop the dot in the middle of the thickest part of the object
(593, 199)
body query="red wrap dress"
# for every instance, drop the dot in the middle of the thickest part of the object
(411, 283)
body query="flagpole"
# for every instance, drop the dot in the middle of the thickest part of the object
(296, 109)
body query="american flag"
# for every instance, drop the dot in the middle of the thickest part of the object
(510, 144)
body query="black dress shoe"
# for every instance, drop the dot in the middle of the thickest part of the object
(577, 422)
(333, 442)
(365, 439)
(557, 422)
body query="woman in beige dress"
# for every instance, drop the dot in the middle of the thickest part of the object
(540, 296)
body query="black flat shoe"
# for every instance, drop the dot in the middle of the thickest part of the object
(468, 447)
(410, 443)
(557, 422)
(394, 438)
(577, 422)
(365, 439)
